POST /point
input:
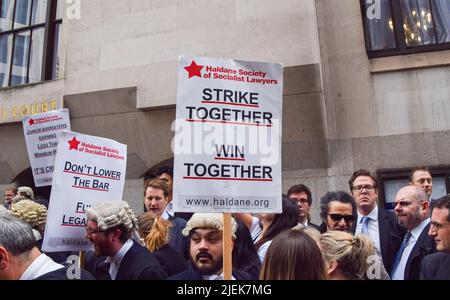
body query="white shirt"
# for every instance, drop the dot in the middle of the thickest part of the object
(216, 277)
(399, 273)
(372, 226)
(40, 266)
(168, 212)
(117, 259)
(255, 229)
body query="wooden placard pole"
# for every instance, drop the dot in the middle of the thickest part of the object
(81, 259)
(227, 246)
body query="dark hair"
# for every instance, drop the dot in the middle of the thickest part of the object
(286, 220)
(245, 257)
(293, 255)
(340, 196)
(443, 202)
(414, 170)
(361, 172)
(125, 234)
(298, 188)
(164, 169)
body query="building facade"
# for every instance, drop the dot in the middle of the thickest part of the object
(349, 100)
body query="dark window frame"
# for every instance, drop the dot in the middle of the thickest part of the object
(399, 34)
(403, 173)
(49, 27)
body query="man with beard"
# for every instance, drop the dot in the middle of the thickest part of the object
(206, 248)
(110, 227)
(378, 224)
(436, 266)
(338, 211)
(412, 208)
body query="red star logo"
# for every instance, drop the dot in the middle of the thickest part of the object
(73, 144)
(31, 121)
(194, 70)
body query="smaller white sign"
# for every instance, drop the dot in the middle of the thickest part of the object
(42, 132)
(88, 170)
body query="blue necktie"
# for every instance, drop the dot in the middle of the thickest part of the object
(400, 252)
(365, 227)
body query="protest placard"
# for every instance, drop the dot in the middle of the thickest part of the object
(227, 141)
(88, 170)
(41, 133)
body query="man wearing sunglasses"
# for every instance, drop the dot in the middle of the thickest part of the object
(436, 266)
(378, 224)
(412, 209)
(338, 211)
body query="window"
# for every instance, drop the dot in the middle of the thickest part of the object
(29, 35)
(390, 181)
(395, 27)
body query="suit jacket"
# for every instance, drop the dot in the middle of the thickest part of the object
(61, 274)
(192, 274)
(391, 237)
(176, 239)
(314, 226)
(170, 260)
(436, 266)
(137, 264)
(425, 245)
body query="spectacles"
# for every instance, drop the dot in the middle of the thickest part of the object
(359, 188)
(403, 203)
(91, 231)
(338, 217)
(438, 226)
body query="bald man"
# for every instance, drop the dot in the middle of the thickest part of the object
(412, 209)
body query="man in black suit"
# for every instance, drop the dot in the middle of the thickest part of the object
(206, 248)
(301, 194)
(437, 265)
(110, 227)
(412, 209)
(377, 223)
(20, 259)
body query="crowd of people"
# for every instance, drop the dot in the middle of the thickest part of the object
(356, 240)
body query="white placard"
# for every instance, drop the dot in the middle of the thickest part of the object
(227, 141)
(41, 136)
(88, 170)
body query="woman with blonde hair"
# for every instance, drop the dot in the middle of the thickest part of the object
(155, 232)
(293, 255)
(346, 256)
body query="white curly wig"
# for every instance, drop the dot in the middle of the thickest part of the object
(26, 192)
(31, 212)
(110, 214)
(208, 220)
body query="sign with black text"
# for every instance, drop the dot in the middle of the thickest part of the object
(88, 170)
(42, 132)
(227, 141)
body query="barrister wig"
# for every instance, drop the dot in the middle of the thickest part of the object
(31, 212)
(25, 191)
(208, 221)
(111, 214)
(18, 198)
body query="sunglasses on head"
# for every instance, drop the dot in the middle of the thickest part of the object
(338, 217)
